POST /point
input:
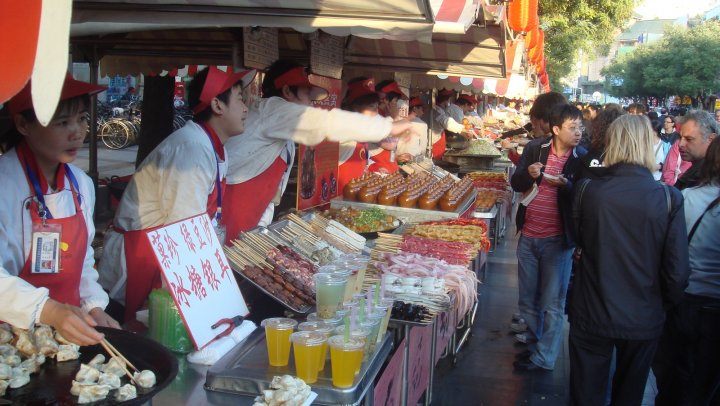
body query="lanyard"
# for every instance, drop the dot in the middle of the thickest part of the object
(40, 195)
(218, 185)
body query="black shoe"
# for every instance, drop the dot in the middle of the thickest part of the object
(523, 354)
(525, 365)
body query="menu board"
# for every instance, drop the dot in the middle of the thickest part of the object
(327, 54)
(260, 47)
(197, 275)
(403, 80)
(318, 165)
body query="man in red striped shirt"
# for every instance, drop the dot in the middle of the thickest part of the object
(546, 170)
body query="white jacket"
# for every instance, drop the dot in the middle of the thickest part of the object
(172, 183)
(271, 129)
(416, 143)
(20, 302)
(443, 121)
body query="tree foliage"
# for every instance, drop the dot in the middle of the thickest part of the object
(572, 25)
(683, 62)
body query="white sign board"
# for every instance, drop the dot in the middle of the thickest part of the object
(198, 276)
(327, 55)
(260, 47)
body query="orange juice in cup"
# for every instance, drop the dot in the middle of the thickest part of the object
(277, 337)
(345, 359)
(322, 328)
(308, 349)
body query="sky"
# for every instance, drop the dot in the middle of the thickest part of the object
(673, 8)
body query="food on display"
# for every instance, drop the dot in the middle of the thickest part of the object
(145, 378)
(284, 390)
(305, 242)
(126, 392)
(485, 201)
(307, 180)
(337, 234)
(67, 352)
(95, 380)
(410, 312)
(480, 147)
(363, 221)
(456, 195)
(456, 233)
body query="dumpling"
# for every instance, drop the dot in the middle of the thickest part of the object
(97, 361)
(24, 343)
(76, 386)
(7, 349)
(12, 360)
(5, 371)
(33, 363)
(144, 379)
(20, 377)
(42, 332)
(3, 387)
(126, 392)
(47, 346)
(113, 381)
(5, 336)
(115, 367)
(92, 393)
(69, 352)
(87, 374)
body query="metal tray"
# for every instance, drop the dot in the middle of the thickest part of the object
(302, 310)
(245, 370)
(409, 215)
(51, 385)
(471, 161)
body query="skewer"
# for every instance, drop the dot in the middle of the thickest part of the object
(118, 360)
(122, 357)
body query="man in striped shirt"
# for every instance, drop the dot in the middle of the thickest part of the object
(546, 169)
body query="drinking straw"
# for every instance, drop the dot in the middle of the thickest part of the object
(362, 310)
(382, 289)
(353, 315)
(377, 293)
(346, 336)
(369, 301)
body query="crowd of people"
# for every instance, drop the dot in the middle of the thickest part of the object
(638, 246)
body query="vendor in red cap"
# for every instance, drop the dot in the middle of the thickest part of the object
(382, 158)
(443, 122)
(353, 159)
(260, 159)
(414, 143)
(182, 177)
(468, 105)
(47, 270)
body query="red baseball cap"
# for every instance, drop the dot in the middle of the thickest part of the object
(218, 81)
(415, 102)
(298, 76)
(71, 88)
(446, 92)
(392, 87)
(359, 89)
(470, 99)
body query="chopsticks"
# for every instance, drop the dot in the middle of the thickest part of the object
(119, 358)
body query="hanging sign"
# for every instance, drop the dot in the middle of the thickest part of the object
(403, 80)
(260, 47)
(327, 54)
(197, 275)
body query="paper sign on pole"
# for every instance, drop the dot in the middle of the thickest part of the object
(198, 276)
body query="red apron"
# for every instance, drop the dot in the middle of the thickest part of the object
(143, 271)
(382, 161)
(64, 286)
(439, 147)
(248, 200)
(354, 167)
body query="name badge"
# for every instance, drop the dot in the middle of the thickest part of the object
(45, 253)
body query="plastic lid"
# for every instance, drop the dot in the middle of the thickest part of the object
(329, 279)
(279, 323)
(317, 326)
(358, 331)
(352, 344)
(336, 270)
(308, 338)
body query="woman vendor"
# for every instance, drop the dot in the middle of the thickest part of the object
(353, 158)
(46, 221)
(182, 177)
(260, 160)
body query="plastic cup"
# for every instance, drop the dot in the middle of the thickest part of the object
(329, 294)
(386, 306)
(372, 322)
(308, 349)
(343, 272)
(345, 359)
(277, 337)
(321, 328)
(335, 320)
(358, 333)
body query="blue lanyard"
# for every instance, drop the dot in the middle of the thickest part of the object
(40, 195)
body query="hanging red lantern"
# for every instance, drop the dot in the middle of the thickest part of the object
(523, 15)
(531, 39)
(544, 80)
(540, 66)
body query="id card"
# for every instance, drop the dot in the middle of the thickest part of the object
(45, 252)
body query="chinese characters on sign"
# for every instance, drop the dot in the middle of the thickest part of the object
(326, 55)
(260, 47)
(198, 275)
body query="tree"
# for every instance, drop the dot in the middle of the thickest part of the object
(579, 24)
(682, 63)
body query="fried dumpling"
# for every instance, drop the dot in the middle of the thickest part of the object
(7, 349)
(5, 336)
(24, 343)
(126, 392)
(12, 360)
(68, 352)
(43, 331)
(3, 387)
(113, 381)
(97, 361)
(144, 379)
(92, 393)
(33, 363)
(47, 346)
(87, 374)
(115, 367)
(20, 377)
(5, 371)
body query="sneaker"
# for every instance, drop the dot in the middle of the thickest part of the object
(524, 338)
(520, 327)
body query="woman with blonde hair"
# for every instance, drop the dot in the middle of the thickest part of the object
(634, 262)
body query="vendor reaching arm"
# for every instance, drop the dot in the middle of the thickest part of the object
(47, 207)
(260, 159)
(182, 177)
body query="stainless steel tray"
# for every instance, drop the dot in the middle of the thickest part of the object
(409, 215)
(302, 310)
(245, 370)
(486, 214)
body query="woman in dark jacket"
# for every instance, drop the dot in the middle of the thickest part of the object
(634, 265)
(591, 165)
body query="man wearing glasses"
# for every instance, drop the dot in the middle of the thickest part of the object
(668, 132)
(546, 170)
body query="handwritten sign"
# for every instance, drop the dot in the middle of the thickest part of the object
(260, 47)
(198, 276)
(327, 54)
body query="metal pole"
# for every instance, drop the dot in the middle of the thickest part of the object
(93, 156)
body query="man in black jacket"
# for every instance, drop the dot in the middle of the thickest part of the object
(697, 131)
(546, 170)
